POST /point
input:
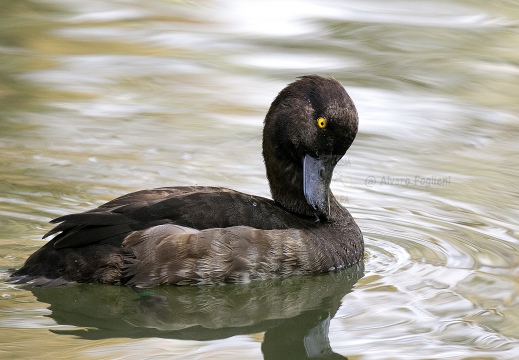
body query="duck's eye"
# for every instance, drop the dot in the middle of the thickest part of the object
(321, 122)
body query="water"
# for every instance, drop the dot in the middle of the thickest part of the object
(101, 98)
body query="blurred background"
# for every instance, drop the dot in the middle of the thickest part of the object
(100, 98)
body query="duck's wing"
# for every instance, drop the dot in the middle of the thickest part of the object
(171, 254)
(194, 207)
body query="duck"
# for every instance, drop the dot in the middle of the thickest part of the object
(200, 235)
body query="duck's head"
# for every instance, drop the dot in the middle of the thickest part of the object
(308, 128)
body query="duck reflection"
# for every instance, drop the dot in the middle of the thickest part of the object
(294, 313)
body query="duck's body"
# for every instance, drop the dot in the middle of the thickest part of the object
(208, 235)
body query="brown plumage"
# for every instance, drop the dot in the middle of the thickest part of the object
(209, 235)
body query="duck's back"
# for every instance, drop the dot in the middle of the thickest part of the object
(191, 206)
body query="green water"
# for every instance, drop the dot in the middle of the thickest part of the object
(100, 98)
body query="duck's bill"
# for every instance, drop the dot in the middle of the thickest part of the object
(317, 174)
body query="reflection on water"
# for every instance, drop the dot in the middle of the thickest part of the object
(100, 98)
(300, 306)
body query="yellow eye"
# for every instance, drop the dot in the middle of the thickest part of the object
(321, 122)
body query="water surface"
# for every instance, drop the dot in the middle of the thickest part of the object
(101, 98)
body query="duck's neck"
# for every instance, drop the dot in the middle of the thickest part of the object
(286, 183)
